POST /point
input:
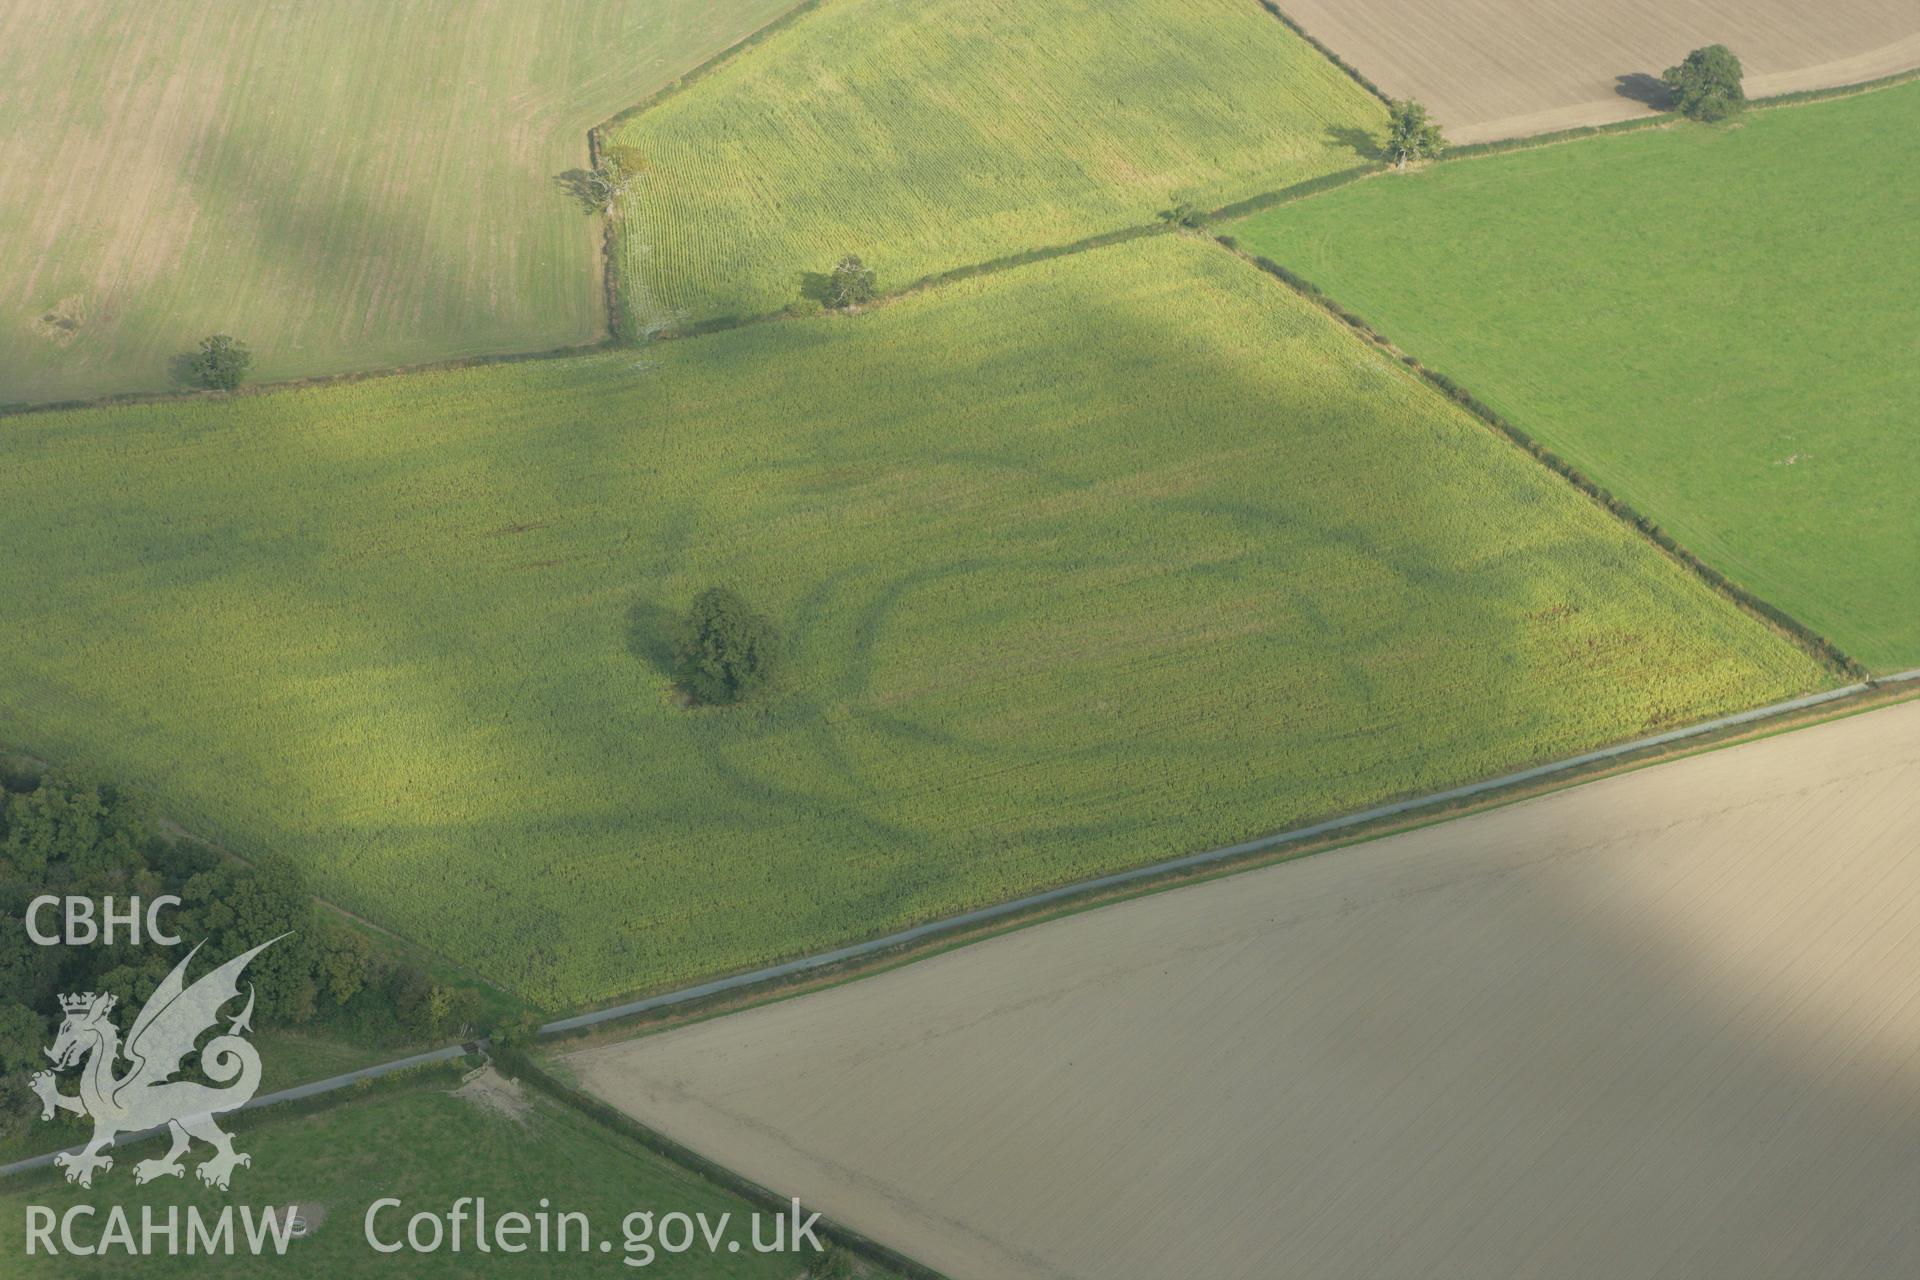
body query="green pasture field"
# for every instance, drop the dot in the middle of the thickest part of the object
(1095, 561)
(1715, 323)
(344, 185)
(425, 1146)
(939, 134)
(287, 1058)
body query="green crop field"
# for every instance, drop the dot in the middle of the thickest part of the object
(343, 185)
(426, 1147)
(1715, 323)
(1099, 560)
(939, 134)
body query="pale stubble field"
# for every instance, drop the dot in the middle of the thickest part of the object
(1507, 68)
(1661, 1025)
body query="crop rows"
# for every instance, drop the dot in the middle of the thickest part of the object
(343, 186)
(1089, 562)
(926, 137)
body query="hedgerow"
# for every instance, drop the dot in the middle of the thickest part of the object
(1658, 309)
(1095, 561)
(953, 132)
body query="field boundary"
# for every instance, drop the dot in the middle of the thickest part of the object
(612, 342)
(609, 230)
(1223, 857)
(172, 830)
(611, 339)
(1298, 191)
(1499, 146)
(680, 83)
(246, 390)
(609, 296)
(1662, 119)
(1793, 97)
(835, 968)
(605, 345)
(425, 1067)
(1814, 643)
(522, 1067)
(1359, 77)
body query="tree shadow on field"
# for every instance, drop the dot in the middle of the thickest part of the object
(181, 371)
(816, 286)
(301, 231)
(651, 633)
(1640, 87)
(578, 183)
(1360, 141)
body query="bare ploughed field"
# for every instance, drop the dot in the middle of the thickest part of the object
(1666, 1024)
(1507, 68)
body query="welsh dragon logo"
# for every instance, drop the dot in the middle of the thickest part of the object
(144, 1097)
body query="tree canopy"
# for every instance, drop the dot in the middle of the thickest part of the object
(1707, 85)
(851, 284)
(727, 650)
(1410, 135)
(66, 835)
(223, 361)
(599, 189)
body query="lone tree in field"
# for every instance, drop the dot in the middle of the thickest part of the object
(1707, 85)
(726, 649)
(851, 283)
(1410, 135)
(598, 189)
(222, 362)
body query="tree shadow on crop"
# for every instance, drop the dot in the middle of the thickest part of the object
(816, 286)
(1360, 141)
(304, 227)
(1648, 90)
(182, 371)
(651, 633)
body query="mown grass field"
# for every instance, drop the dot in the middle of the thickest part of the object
(419, 1143)
(1099, 560)
(1715, 323)
(936, 135)
(343, 185)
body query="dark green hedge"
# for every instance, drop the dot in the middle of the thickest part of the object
(1327, 53)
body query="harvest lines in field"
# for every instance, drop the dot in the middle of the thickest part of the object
(1057, 608)
(1494, 69)
(1701, 972)
(306, 178)
(961, 132)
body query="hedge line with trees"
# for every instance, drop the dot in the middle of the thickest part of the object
(66, 835)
